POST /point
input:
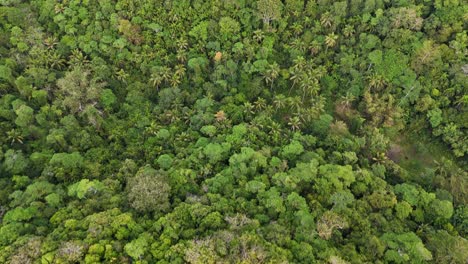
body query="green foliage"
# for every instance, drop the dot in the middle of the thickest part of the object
(20, 181)
(5, 73)
(137, 248)
(216, 152)
(164, 161)
(333, 178)
(442, 210)
(78, 90)
(298, 177)
(403, 210)
(25, 116)
(53, 199)
(20, 214)
(414, 249)
(15, 162)
(24, 86)
(34, 192)
(435, 117)
(65, 166)
(273, 202)
(208, 130)
(10, 232)
(84, 187)
(200, 31)
(322, 125)
(409, 193)
(149, 191)
(255, 186)
(269, 10)
(293, 150)
(281, 131)
(229, 28)
(446, 247)
(108, 99)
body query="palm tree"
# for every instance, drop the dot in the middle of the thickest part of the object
(299, 63)
(152, 129)
(298, 44)
(461, 101)
(308, 114)
(179, 70)
(326, 20)
(377, 81)
(275, 131)
(330, 40)
(307, 21)
(380, 158)
(279, 101)
(295, 123)
(50, 42)
(220, 116)
(268, 110)
(258, 35)
(296, 77)
(319, 72)
(175, 80)
(309, 86)
(165, 73)
(347, 99)
(296, 28)
(14, 136)
(77, 59)
(156, 79)
(182, 44)
(297, 71)
(170, 116)
(314, 47)
(179, 73)
(260, 104)
(287, 34)
(54, 59)
(159, 75)
(271, 74)
(249, 108)
(318, 103)
(348, 31)
(59, 8)
(181, 56)
(121, 75)
(294, 102)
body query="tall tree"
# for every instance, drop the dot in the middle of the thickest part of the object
(269, 10)
(78, 89)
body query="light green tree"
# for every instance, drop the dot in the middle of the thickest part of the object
(77, 90)
(269, 10)
(149, 191)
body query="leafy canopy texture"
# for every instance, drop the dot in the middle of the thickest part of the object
(233, 131)
(149, 191)
(78, 91)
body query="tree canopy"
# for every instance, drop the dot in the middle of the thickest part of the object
(261, 131)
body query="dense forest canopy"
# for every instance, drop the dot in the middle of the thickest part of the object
(233, 131)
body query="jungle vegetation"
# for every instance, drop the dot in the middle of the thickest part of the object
(233, 131)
